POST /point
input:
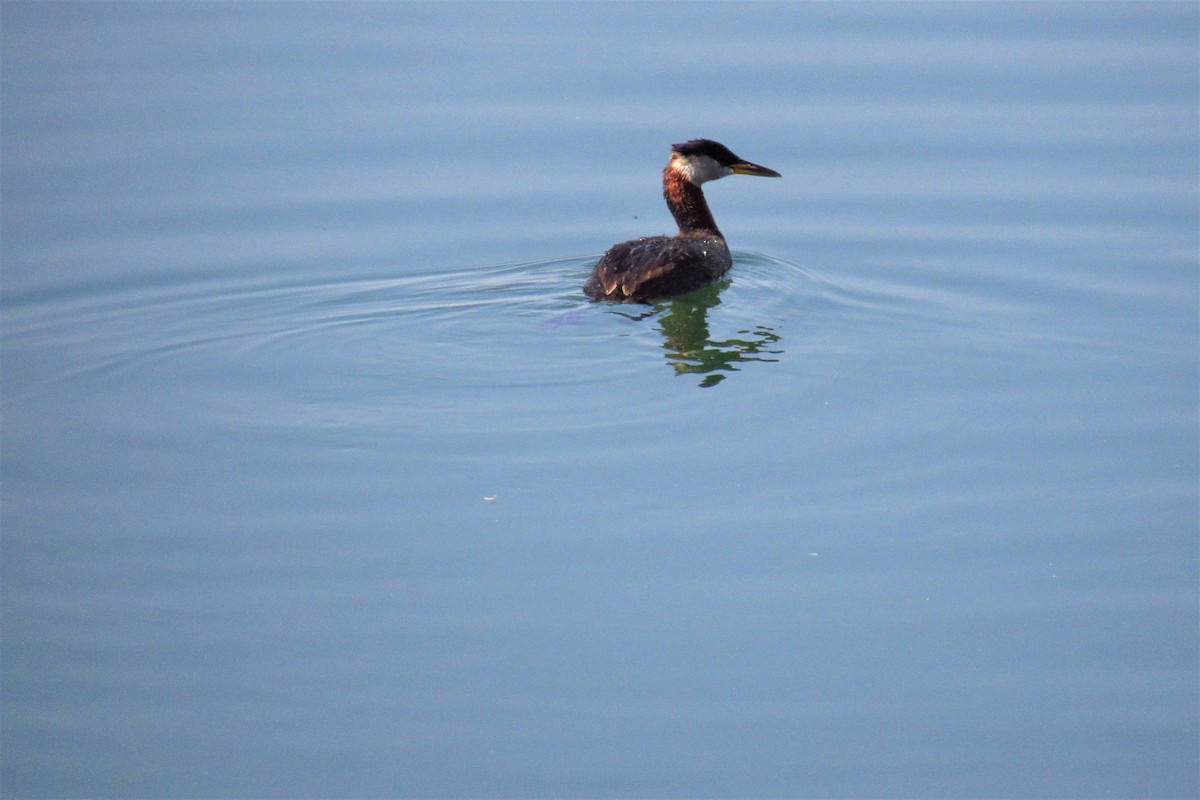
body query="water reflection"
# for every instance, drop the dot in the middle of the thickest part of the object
(690, 347)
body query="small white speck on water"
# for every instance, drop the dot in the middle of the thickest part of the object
(491, 498)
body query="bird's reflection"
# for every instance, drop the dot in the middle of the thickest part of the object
(690, 348)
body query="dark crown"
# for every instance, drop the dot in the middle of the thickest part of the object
(707, 147)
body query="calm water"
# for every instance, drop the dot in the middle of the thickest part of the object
(322, 479)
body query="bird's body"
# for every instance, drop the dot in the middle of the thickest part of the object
(658, 266)
(661, 266)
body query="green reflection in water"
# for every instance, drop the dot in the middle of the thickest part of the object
(690, 348)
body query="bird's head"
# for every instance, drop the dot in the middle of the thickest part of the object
(701, 160)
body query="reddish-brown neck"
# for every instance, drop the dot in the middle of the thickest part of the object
(687, 204)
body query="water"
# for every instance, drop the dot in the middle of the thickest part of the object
(322, 478)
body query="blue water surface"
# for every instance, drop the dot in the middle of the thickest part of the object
(321, 478)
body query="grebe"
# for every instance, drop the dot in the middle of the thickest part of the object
(660, 266)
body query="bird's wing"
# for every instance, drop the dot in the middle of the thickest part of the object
(628, 265)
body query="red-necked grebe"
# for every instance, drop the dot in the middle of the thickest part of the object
(660, 266)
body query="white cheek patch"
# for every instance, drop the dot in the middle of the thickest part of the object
(682, 166)
(700, 169)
